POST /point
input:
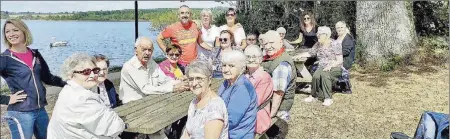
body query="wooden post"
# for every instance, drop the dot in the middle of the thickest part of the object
(136, 20)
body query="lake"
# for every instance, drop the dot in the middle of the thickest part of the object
(113, 39)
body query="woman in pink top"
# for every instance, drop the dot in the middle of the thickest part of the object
(262, 82)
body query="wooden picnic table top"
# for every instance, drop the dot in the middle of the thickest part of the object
(155, 112)
(298, 51)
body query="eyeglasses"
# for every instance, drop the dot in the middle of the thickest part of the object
(88, 71)
(223, 39)
(306, 18)
(252, 56)
(191, 79)
(230, 15)
(176, 55)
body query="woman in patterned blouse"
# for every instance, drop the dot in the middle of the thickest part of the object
(207, 114)
(329, 55)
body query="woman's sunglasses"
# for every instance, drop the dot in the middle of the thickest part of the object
(88, 71)
(223, 39)
(176, 55)
(230, 15)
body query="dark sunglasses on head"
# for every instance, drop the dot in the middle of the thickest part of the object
(88, 71)
(223, 39)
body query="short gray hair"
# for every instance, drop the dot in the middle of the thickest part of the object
(208, 12)
(254, 49)
(140, 39)
(281, 30)
(235, 57)
(325, 30)
(68, 67)
(199, 66)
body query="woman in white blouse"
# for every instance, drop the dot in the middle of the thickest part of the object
(209, 33)
(236, 28)
(79, 112)
(207, 114)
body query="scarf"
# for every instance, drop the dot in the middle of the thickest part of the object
(274, 56)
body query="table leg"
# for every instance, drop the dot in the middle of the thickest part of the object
(306, 76)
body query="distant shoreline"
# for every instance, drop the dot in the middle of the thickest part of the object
(87, 20)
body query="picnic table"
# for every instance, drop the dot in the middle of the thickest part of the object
(304, 76)
(155, 112)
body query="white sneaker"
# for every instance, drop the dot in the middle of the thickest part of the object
(306, 89)
(310, 99)
(327, 102)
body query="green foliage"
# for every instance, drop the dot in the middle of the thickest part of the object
(164, 18)
(432, 50)
(3, 15)
(115, 69)
(269, 15)
(159, 59)
(392, 62)
(431, 17)
(4, 90)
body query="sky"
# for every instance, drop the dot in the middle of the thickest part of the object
(69, 6)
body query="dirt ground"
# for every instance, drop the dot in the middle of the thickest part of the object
(381, 103)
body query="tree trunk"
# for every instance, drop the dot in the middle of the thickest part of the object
(385, 30)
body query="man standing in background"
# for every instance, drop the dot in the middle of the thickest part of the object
(185, 34)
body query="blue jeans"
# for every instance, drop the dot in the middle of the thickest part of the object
(432, 125)
(32, 122)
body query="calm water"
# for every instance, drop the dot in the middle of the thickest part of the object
(113, 39)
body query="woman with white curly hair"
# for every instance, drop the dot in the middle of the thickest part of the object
(79, 112)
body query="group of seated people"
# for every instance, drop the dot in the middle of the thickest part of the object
(252, 93)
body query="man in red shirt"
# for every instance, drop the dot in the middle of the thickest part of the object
(184, 33)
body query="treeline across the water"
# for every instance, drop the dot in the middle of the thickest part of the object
(113, 15)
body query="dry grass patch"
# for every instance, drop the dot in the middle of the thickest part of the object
(381, 103)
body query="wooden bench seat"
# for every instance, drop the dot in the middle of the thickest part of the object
(264, 135)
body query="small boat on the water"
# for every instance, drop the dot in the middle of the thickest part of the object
(58, 43)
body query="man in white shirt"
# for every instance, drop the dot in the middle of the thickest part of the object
(142, 76)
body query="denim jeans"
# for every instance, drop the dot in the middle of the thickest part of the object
(32, 122)
(432, 125)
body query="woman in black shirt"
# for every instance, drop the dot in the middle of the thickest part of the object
(308, 36)
(308, 30)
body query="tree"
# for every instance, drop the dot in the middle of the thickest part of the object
(385, 32)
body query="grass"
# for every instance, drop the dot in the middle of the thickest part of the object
(381, 103)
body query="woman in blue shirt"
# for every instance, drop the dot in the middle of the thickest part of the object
(239, 96)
